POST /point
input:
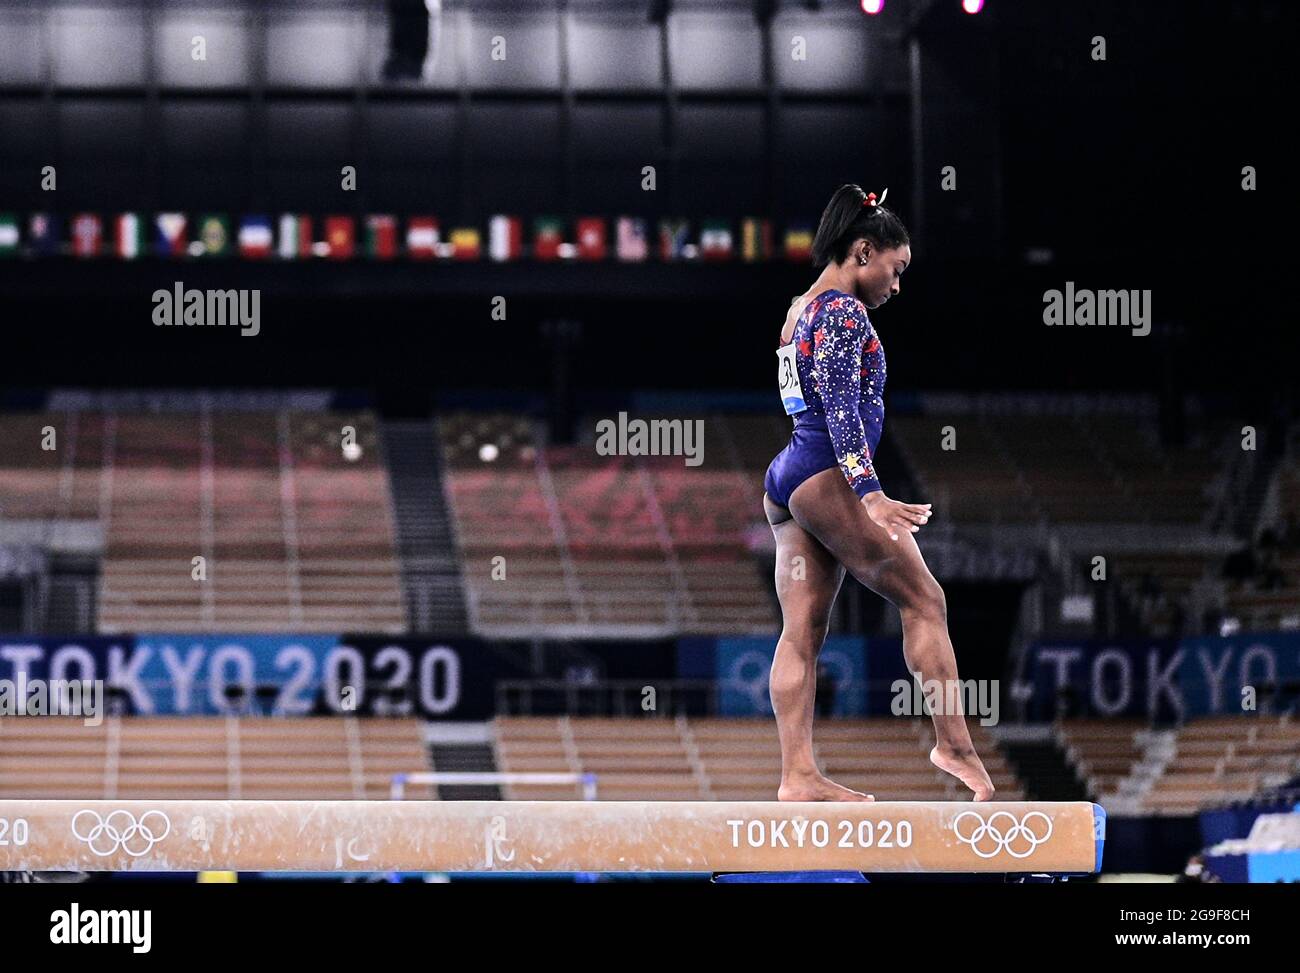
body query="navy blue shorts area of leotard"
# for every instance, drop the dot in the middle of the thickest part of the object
(810, 451)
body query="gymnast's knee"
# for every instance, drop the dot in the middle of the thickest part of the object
(927, 604)
(806, 635)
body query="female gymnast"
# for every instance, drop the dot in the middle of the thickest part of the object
(826, 505)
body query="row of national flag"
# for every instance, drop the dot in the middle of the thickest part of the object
(299, 236)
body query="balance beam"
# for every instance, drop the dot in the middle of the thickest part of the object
(548, 836)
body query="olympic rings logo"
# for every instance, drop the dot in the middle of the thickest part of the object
(121, 830)
(986, 833)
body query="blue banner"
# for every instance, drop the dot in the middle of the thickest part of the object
(162, 674)
(1161, 678)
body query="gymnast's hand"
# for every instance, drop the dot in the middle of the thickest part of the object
(895, 516)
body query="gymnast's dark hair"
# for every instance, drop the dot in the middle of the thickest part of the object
(847, 218)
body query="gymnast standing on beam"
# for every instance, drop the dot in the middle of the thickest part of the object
(826, 505)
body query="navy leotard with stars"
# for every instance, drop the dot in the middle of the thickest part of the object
(841, 367)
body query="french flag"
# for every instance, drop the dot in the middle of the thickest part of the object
(255, 237)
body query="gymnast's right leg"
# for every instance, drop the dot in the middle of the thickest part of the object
(807, 580)
(828, 510)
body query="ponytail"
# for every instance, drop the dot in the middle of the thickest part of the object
(855, 215)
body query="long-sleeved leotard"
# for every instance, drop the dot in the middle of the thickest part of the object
(841, 368)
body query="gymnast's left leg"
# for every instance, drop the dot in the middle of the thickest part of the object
(807, 580)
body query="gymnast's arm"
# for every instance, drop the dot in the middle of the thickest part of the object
(838, 359)
(839, 379)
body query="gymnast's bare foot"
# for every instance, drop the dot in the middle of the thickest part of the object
(815, 787)
(966, 766)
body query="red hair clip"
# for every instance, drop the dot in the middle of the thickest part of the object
(871, 198)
